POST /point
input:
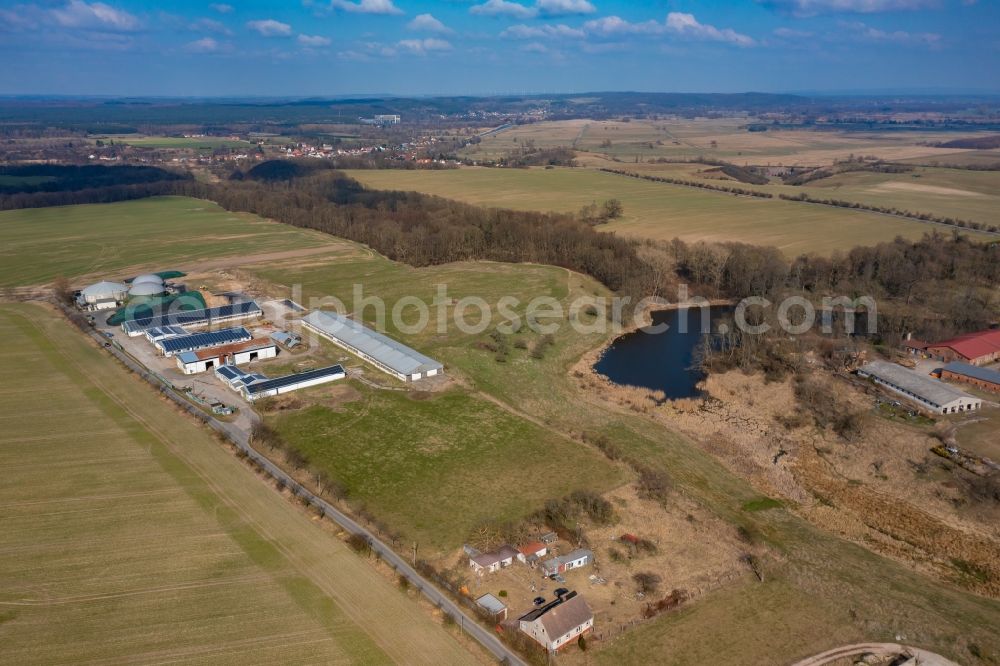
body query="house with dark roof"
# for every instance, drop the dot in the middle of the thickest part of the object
(558, 622)
(977, 348)
(492, 562)
(984, 378)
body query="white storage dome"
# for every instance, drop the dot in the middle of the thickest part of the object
(146, 289)
(150, 278)
(102, 291)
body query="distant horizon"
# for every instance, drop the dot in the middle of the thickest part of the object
(873, 93)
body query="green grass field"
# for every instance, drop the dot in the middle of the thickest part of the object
(658, 210)
(130, 535)
(38, 244)
(969, 195)
(435, 468)
(179, 142)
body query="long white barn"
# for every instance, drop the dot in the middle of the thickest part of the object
(928, 394)
(381, 351)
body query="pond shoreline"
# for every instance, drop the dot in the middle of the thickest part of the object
(587, 364)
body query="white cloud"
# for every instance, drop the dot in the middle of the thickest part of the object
(313, 41)
(423, 46)
(210, 25)
(222, 8)
(546, 30)
(367, 6)
(427, 23)
(564, 7)
(535, 47)
(615, 25)
(503, 8)
(97, 15)
(541, 8)
(677, 23)
(270, 28)
(813, 7)
(867, 33)
(688, 26)
(205, 45)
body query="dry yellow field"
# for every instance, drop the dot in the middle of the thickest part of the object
(724, 139)
(131, 536)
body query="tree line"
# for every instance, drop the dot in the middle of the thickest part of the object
(892, 210)
(937, 286)
(728, 189)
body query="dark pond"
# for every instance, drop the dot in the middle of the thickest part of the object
(661, 361)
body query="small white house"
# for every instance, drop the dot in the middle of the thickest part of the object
(492, 562)
(558, 622)
(580, 557)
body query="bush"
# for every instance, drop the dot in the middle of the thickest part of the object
(647, 582)
(358, 543)
(653, 484)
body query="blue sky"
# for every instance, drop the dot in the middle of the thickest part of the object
(338, 47)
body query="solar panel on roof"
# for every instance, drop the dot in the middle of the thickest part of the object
(202, 340)
(189, 317)
(229, 371)
(290, 380)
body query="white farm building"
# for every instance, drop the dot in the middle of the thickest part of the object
(264, 388)
(929, 394)
(380, 350)
(192, 362)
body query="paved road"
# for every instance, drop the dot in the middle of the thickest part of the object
(921, 657)
(485, 637)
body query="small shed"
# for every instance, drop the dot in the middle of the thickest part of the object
(493, 606)
(286, 339)
(531, 552)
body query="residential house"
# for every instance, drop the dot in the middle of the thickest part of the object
(580, 557)
(492, 562)
(558, 622)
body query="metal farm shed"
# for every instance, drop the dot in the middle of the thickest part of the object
(380, 350)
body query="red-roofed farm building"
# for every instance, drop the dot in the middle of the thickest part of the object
(978, 348)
